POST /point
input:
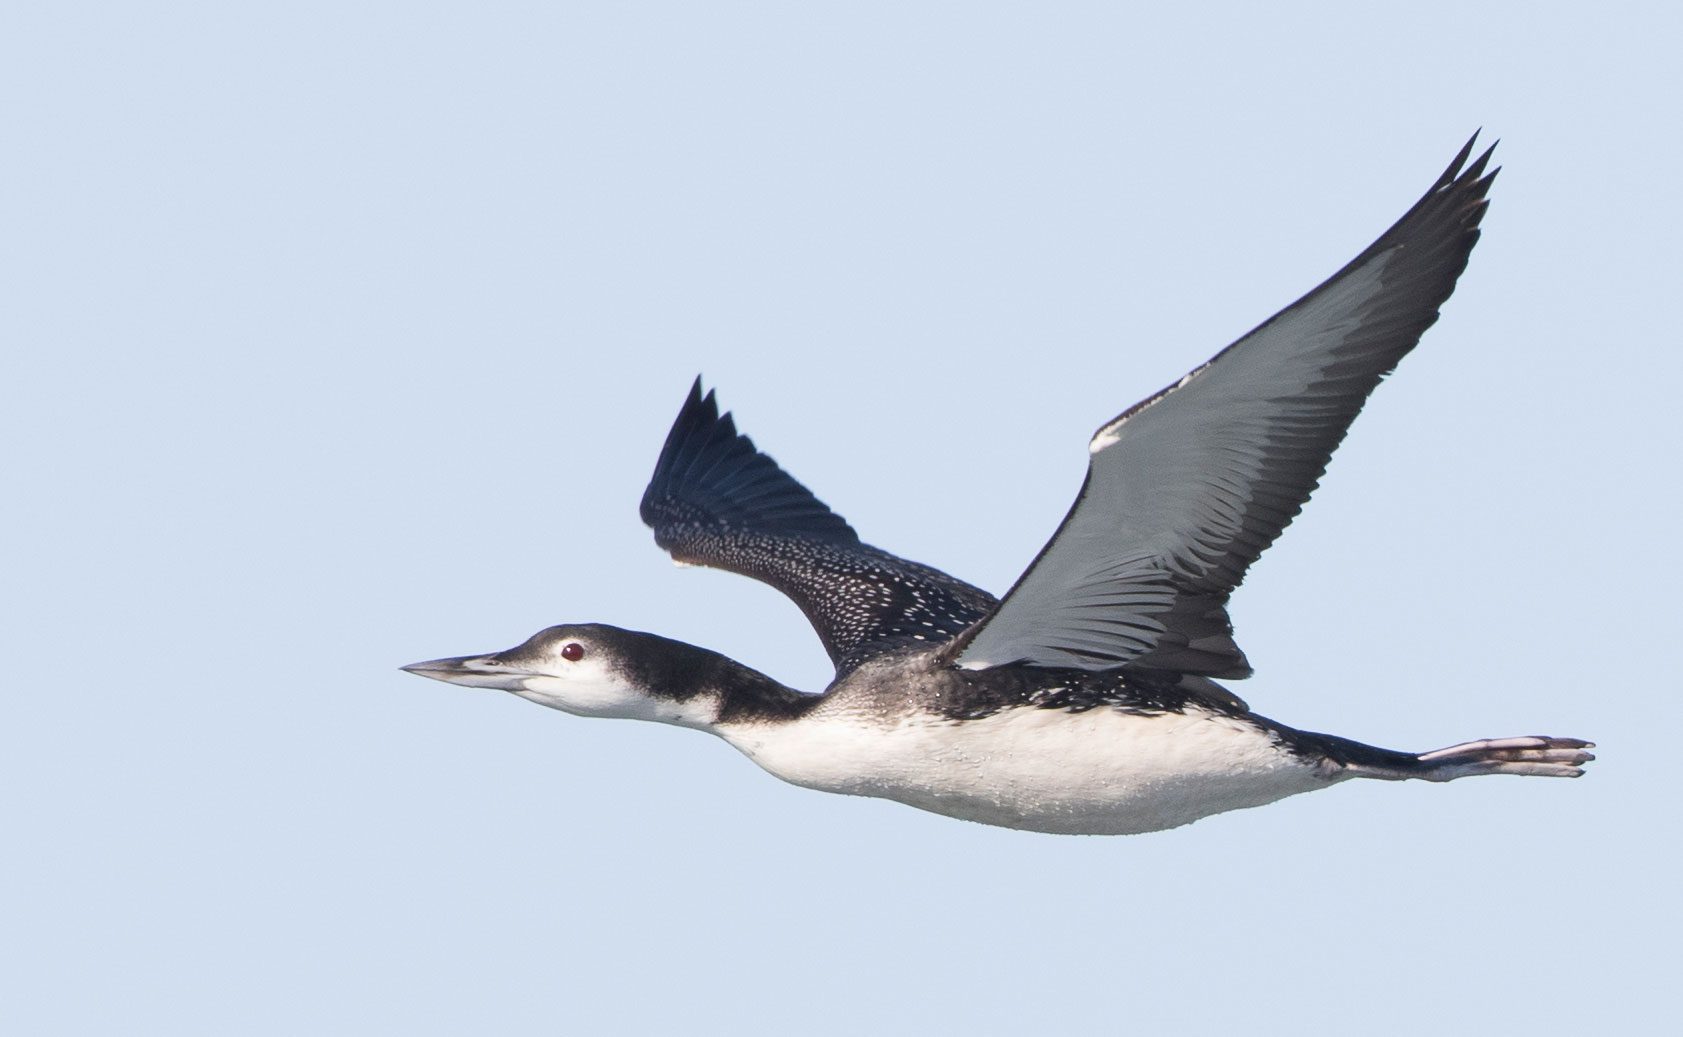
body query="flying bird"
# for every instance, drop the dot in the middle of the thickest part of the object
(1088, 698)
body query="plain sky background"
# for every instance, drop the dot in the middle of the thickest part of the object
(338, 336)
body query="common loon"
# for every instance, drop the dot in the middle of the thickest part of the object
(1086, 700)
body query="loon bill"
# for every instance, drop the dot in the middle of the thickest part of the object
(1086, 700)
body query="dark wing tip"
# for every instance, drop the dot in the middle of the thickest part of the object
(1458, 169)
(710, 475)
(1439, 230)
(1453, 172)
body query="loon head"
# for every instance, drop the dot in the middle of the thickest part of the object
(596, 670)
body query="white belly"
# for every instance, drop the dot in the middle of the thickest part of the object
(1102, 772)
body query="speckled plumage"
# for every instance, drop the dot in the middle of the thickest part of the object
(715, 500)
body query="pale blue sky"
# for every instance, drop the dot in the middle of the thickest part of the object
(338, 336)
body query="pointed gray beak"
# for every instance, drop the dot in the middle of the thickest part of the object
(438, 668)
(471, 671)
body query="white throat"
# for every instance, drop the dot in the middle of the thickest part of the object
(597, 695)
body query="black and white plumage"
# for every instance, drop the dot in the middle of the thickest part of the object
(1085, 700)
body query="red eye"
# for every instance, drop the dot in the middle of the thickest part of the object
(572, 651)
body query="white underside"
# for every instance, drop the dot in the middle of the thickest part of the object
(1102, 772)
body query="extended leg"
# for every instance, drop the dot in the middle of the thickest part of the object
(1534, 754)
(1537, 754)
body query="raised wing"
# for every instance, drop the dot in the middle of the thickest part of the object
(1186, 489)
(715, 500)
